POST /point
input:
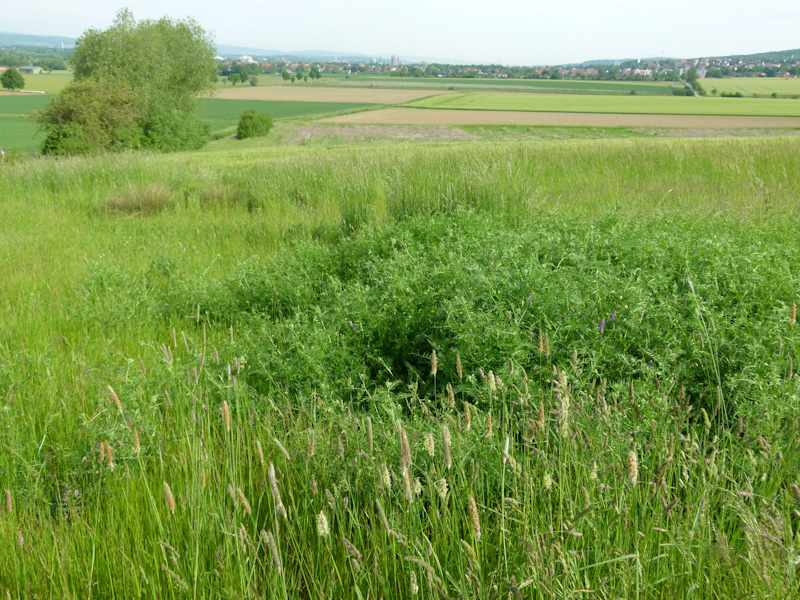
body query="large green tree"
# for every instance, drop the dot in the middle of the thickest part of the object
(163, 64)
(12, 80)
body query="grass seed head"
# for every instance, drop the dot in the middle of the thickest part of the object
(459, 370)
(115, 399)
(169, 498)
(282, 449)
(448, 460)
(9, 502)
(633, 467)
(473, 515)
(280, 509)
(243, 501)
(451, 398)
(137, 447)
(434, 364)
(260, 453)
(226, 415)
(794, 313)
(442, 488)
(322, 525)
(269, 541)
(489, 425)
(369, 434)
(414, 585)
(430, 447)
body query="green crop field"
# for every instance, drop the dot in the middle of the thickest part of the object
(17, 132)
(223, 113)
(763, 86)
(22, 134)
(680, 105)
(539, 85)
(561, 369)
(50, 83)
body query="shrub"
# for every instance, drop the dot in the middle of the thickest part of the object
(253, 124)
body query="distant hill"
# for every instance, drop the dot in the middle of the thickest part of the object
(776, 56)
(24, 39)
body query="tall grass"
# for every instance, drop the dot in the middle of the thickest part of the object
(268, 334)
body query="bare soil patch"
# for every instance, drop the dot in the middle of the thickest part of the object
(418, 116)
(303, 93)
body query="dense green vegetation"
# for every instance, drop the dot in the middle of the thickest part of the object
(611, 404)
(151, 71)
(612, 104)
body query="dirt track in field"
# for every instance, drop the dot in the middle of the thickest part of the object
(421, 116)
(308, 93)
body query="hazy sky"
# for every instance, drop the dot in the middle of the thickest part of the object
(505, 31)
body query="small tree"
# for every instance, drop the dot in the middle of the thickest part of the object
(285, 75)
(253, 124)
(244, 77)
(254, 81)
(234, 78)
(12, 80)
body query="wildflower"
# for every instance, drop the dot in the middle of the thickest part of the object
(352, 326)
(603, 325)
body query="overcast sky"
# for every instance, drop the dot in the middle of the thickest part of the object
(505, 31)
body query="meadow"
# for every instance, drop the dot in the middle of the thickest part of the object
(676, 105)
(476, 370)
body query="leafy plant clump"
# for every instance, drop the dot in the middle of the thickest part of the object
(253, 124)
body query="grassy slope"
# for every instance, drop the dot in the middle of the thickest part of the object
(612, 104)
(585, 228)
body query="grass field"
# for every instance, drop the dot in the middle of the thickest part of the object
(222, 114)
(473, 371)
(17, 132)
(628, 105)
(538, 85)
(763, 86)
(50, 83)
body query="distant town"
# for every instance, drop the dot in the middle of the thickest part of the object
(784, 65)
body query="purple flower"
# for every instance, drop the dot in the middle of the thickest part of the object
(529, 297)
(603, 325)
(353, 327)
(613, 315)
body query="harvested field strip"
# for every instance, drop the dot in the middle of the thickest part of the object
(673, 105)
(312, 93)
(410, 116)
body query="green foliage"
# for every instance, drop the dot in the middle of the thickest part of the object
(88, 116)
(253, 124)
(165, 63)
(12, 80)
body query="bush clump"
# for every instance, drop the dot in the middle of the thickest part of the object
(253, 124)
